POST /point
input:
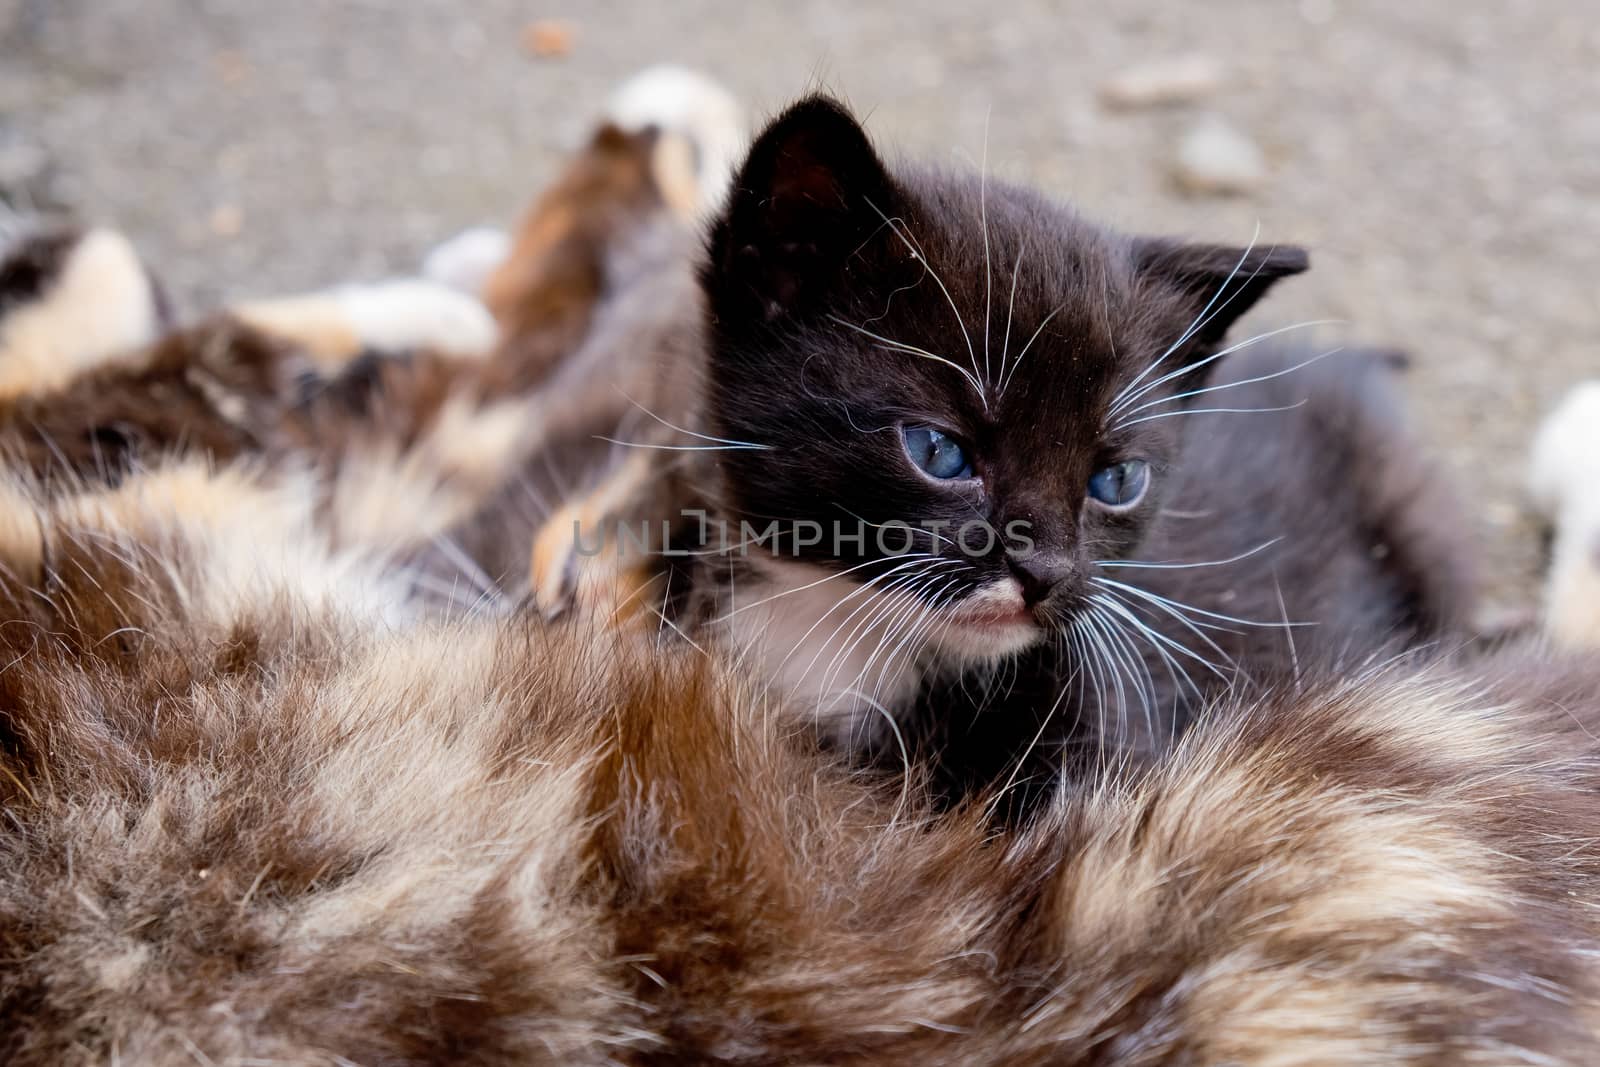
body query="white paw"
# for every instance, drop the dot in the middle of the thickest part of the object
(1565, 468)
(695, 106)
(465, 262)
(96, 301)
(411, 313)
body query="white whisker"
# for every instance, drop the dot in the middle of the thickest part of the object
(1211, 411)
(1234, 385)
(1199, 321)
(1124, 611)
(681, 448)
(1189, 368)
(1145, 593)
(1141, 565)
(887, 606)
(900, 580)
(983, 215)
(913, 350)
(691, 433)
(1288, 631)
(1007, 375)
(826, 578)
(1011, 304)
(917, 253)
(1044, 722)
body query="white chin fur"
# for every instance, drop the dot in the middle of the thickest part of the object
(973, 646)
(850, 655)
(967, 641)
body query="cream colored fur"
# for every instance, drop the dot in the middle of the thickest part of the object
(101, 305)
(1564, 480)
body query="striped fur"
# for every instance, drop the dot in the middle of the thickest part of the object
(254, 815)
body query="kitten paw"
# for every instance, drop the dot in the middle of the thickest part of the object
(465, 262)
(1564, 482)
(696, 108)
(1566, 452)
(69, 301)
(410, 313)
(399, 316)
(580, 560)
(565, 577)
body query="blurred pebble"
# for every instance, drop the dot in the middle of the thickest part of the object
(226, 220)
(232, 66)
(547, 38)
(1215, 159)
(1163, 82)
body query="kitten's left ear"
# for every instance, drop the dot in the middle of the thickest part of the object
(1221, 283)
(811, 192)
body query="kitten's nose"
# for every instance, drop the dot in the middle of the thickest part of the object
(1039, 573)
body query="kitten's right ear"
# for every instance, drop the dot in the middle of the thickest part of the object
(810, 193)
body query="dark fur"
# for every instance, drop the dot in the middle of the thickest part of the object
(805, 244)
(29, 266)
(821, 236)
(220, 389)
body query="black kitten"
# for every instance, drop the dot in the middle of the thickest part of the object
(959, 383)
(937, 441)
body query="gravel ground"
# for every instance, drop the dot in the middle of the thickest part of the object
(1441, 158)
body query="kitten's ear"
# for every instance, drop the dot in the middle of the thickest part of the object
(810, 193)
(1221, 283)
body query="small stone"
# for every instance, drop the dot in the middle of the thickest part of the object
(547, 38)
(1215, 159)
(226, 220)
(1163, 82)
(232, 66)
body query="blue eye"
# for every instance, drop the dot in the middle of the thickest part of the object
(936, 453)
(1121, 486)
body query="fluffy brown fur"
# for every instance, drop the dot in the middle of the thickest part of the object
(249, 821)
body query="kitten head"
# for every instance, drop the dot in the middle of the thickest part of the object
(948, 387)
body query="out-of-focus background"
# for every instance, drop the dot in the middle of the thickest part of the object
(1442, 158)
